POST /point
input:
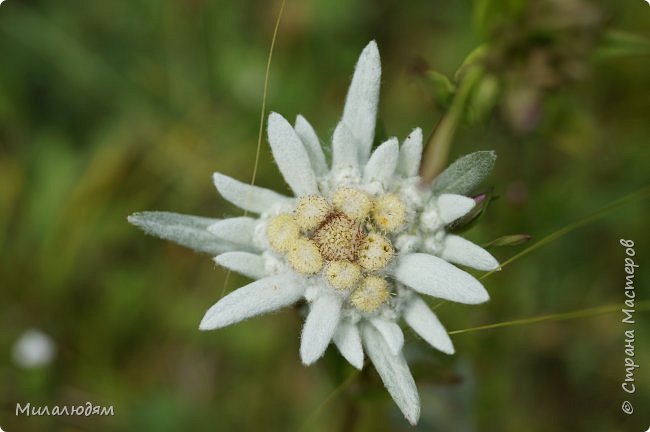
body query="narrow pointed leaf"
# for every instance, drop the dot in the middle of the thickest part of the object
(252, 198)
(185, 230)
(319, 327)
(259, 297)
(291, 156)
(308, 136)
(426, 324)
(436, 277)
(348, 341)
(248, 264)
(360, 111)
(394, 373)
(382, 163)
(410, 154)
(465, 174)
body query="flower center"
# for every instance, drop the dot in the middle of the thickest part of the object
(344, 240)
(338, 238)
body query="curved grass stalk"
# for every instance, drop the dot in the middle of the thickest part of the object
(562, 316)
(641, 193)
(267, 78)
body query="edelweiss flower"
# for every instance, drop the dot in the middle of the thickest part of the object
(360, 240)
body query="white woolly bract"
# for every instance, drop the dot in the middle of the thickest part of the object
(262, 296)
(394, 373)
(433, 276)
(319, 327)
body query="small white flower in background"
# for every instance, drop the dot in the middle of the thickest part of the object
(33, 349)
(360, 241)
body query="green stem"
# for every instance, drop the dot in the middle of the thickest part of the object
(437, 149)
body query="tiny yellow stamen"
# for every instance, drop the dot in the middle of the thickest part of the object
(389, 212)
(355, 204)
(343, 275)
(281, 232)
(304, 257)
(372, 293)
(376, 251)
(311, 211)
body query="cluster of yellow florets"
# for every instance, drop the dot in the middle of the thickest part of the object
(345, 238)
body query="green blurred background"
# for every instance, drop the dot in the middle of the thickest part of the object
(107, 108)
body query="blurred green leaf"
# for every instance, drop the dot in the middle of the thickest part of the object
(617, 43)
(441, 87)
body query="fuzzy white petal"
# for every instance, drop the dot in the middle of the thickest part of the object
(460, 251)
(410, 154)
(381, 165)
(348, 341)
(425, 323)
(451, 206)
(262, 296)
(319, 328)
(394, 373)
(391, 332)
(246, 263)
(308, 136)
(291, 156)
(246, 196)
(436, 277)
(186, 230)
(236, 230)
(360, 111)
(344, 151)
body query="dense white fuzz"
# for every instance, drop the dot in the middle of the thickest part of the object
(236, 230)
(262, 296)
(451, 207)
(308, 136)
(343, 275)
(290, 155)
(345, 157)
(189, 231)
(460, 251)
(426, 324)
(248, 264)
(410, 154)
(311, 211)
(251, 198)
(348, 341)
(376, 252)
(382, 163)
(304, 257)
(371, 294)
(323, 318)
(360, 111)
(433, 276)
(391, 332)
(389, 212)
(281, 231)
(394, 373)
(354, 203)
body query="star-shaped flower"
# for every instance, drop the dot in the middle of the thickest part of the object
(360, 240)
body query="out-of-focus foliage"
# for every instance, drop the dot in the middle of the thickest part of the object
(107, 108)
